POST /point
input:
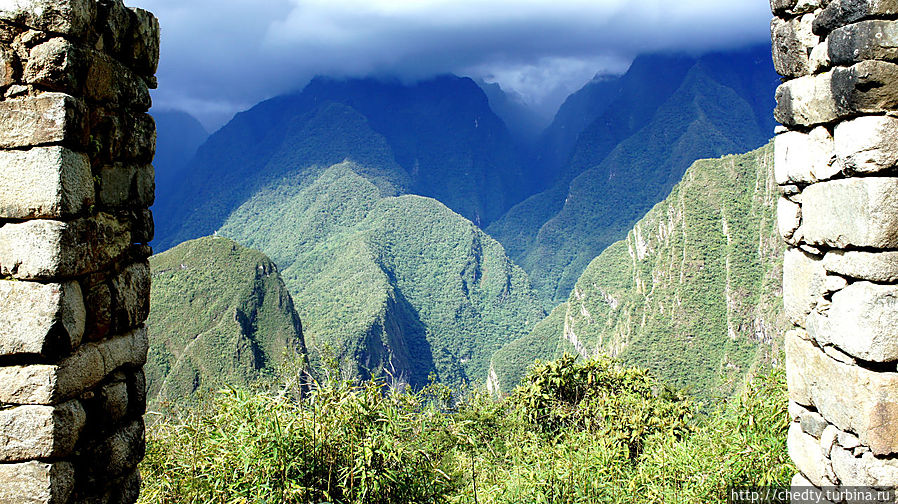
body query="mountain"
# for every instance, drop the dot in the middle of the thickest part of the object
(666, 112)
(693, 292)
(178, 135)
(441, 132)
(522, 121)
(387, 283)
(221, 315)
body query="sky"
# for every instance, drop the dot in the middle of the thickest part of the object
(223, 56)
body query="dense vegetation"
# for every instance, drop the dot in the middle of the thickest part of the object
(220, 315)
(693, 292)
(571, 433)
(646, 129)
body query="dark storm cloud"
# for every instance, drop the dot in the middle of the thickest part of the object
(220, 56)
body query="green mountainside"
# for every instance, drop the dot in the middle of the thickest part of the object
(693, 293)
(649, 126)
(389, 284)
(220, 315)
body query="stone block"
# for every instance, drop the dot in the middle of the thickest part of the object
(57, 64)
(116, 455)
(828, 439)
(819, 58)
(861, 322)
(867, 470)
(805, 158)
(850, 397)
(40, 432)
(66, 17)
(813, 424)
(127, 137)
(126, 185)
(859, 212)
(869, 87)
(807, 455)
(793, 40)
(803, 282)
(143, 43)
(49, 118)
(794, 7)
(879, 267)
(130, 294)
(36, 483)
(788, 217)
(115, 85)
(44, 182)
(45, 384)
(867, 40)
(867, 144)
(41, 249)
(40, 319)
(839, 13)
(8, 65)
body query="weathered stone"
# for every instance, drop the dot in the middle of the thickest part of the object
(143, 42)
(36, 483)
(58, 65)
(115, 85)
(8, 64)
(118, 454)
(793, 40)
(143, 226)
(115, 185)
(130, 294)
(42, 249)
(874, 39)
(40, 432)
(860, 212)
(51, 384)
(843, 12)
(795, 411)
(867, 144)
(803, 282)
(813, 423)
(129, 137)
(861, 321)
(66, 17)
(44, 182)
(848, 441)
(806, 454)
(869, 87)
(828, 438)
(40, 319)
(45, 119)
(834, 283)
(867, 471)
(781, 7)
(788, 217)
(874, 266)
(805, 158)
(850, 397)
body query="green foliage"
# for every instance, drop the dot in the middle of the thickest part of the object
(692, 293)
(567, 435)
(220, 315)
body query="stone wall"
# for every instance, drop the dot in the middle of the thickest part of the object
(836, 159)
(76, 182)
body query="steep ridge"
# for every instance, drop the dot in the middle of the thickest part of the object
(221, 315)
(668, 112)
(397, 285)
(441, 132)
(693, 292)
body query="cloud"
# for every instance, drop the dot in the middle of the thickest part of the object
(220, 56)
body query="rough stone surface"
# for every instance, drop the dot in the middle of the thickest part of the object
(807, 455)
(50, 118)
(805, 158)
(867, 470)
(842, 12)
(40, 432)
(867, 40)
(813, 423)
(803, 282)
(40, 319)
(867, 144)
(850, 397)
(67, 17)
(51, 384)
(861, 321)
(874, 266)
(42, 249)
(788, 217)
(793, 40)
(44, 182)
(828, 438)
(36, 482)
(859, 212)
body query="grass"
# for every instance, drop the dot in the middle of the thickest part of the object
(573, 432)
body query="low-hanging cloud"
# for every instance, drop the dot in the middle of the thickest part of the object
(220, 56)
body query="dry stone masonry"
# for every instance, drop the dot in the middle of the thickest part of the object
(76, 183)
(837, 165)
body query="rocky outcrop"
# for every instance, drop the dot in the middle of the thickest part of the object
(75, 186)
(835, 164)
